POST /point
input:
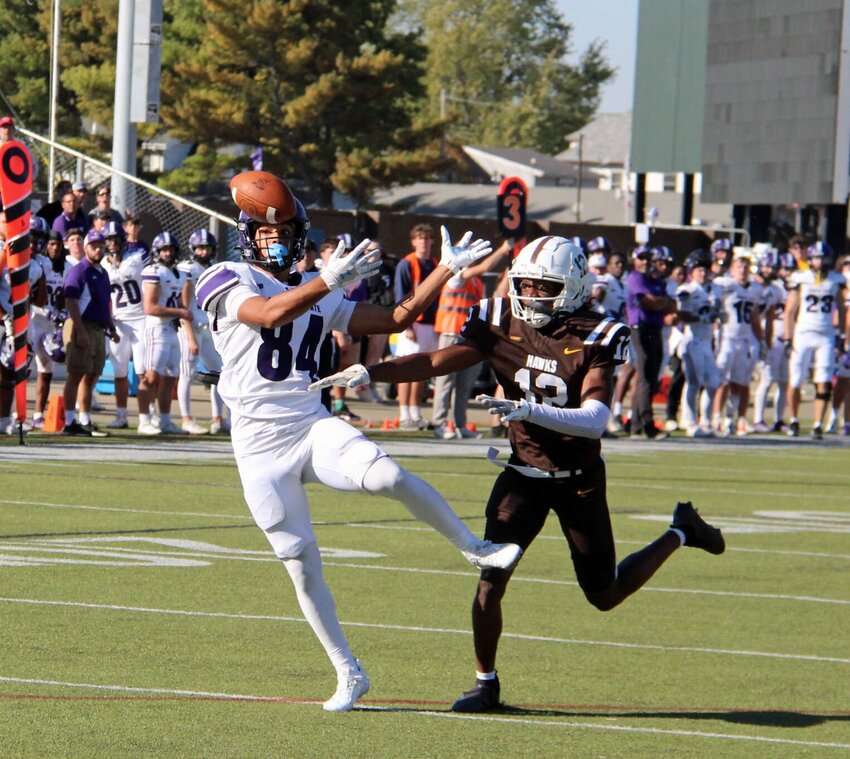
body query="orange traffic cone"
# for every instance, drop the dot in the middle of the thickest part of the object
(54, 418)
(450, 426)
(386, 425)
(471, 427)
(396, 423)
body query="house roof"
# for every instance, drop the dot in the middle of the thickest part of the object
(540, 164)
(544, 203)
(605, 141)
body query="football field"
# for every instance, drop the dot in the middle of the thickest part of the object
(143, 614)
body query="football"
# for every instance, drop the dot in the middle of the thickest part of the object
(263, 196)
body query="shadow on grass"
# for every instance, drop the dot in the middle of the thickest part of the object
(761, 718)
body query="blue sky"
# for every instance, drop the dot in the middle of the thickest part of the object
(614, 21)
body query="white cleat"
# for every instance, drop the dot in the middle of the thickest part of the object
(351, 687)
(487, 555)
(193, 428)
(171, 429)
(220, 427)
(148, 429)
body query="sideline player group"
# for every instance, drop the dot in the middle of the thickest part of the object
(101, 294)
(735, 316)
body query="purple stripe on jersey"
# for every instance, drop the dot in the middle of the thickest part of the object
(213, 285)
(150, 277)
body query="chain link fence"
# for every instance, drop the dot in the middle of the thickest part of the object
(158, 209)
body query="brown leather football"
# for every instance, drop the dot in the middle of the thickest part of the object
(263, 196)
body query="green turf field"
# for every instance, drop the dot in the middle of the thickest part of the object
(143, 615)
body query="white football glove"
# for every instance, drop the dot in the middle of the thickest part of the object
(511, 411)
(458, 257)
(341, 270)
(355, 376)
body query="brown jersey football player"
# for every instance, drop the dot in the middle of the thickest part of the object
(555, 359)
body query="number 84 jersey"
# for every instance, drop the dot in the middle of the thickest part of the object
(547, 366)
(265, 372)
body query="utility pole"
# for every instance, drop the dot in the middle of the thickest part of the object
(580, 167)
(123, 131)
(54, 96)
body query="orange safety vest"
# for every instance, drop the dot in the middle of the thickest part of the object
(454, 305)
(416, 274)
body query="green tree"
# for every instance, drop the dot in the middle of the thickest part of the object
(501, 65)
(325, 87)
(87, 63)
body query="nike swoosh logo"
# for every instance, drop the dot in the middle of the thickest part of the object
(570, 351)
(585, 492)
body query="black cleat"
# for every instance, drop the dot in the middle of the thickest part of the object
(698, 532)
(817, 432)
(483, 697)
(793, 429)
(76, 429)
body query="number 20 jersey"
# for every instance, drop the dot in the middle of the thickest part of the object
(547, 366)
(266, 372)
(125, 280)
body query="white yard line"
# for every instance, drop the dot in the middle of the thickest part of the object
(435, 630)
(487, 718)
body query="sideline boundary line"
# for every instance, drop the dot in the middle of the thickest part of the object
(190, 694)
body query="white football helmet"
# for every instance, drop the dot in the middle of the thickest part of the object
(552, 259)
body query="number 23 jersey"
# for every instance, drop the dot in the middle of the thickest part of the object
(266, 372)
(547, 366)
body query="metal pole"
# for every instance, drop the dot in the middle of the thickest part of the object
(123, 133)
(580, 164)
(54, 96)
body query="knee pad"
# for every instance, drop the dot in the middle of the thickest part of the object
(823, 396)
(383, 476)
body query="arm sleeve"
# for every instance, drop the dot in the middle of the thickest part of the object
(588, 420)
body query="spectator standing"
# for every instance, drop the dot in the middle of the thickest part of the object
(72, 216)
(49, 211)
(451, 391)
(104, 199)
(420, 336)
(7, 129)
(645, 307)
(74, 245)
(87, 298)
(133, 245)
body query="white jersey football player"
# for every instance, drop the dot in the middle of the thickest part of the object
(697, 310)
(774, 269)
(202, 245)
(815, 301)
(166, 295)
(741, 340)
(45, 330)
(268, 325)
(125, 279)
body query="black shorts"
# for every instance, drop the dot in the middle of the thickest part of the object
(519, 505)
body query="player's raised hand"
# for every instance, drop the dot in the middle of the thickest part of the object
(510, 411)
(457, 257)
(355, 376)
(341, 269)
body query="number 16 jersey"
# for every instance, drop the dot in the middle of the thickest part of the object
(265, 372)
